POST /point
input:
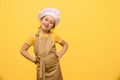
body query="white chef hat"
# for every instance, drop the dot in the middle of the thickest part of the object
(50, 11)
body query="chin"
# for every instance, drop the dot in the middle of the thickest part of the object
(46, 29)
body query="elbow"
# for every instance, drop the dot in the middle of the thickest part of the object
(24, 49)
(65, 45)
(21, 51)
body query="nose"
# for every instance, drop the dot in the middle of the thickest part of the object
(47, 23)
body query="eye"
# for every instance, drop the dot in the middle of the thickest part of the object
(46, 19)
(51, 22)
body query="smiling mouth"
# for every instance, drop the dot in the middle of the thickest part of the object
(45, 26)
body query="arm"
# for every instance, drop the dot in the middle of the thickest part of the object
(63, 50)
(24, 52)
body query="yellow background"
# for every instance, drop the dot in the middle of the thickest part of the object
(91, 28)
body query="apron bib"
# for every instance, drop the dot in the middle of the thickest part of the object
(48, 67)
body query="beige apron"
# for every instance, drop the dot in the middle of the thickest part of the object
(48, 67)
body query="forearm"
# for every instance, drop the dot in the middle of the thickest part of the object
(24, 52)
(63, 50)
(28, 56)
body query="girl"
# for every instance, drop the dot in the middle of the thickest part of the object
(47, 59)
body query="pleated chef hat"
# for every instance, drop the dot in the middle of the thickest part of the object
(50, 11)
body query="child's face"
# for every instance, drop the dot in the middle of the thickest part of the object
(47, 22)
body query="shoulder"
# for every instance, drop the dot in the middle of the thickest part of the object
(34, 34)
(55, 37)
(53, 34)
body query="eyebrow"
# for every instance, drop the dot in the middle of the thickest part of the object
(51, 19)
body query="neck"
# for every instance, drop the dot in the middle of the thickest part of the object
(43, 31)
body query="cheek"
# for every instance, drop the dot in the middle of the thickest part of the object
(51, 26)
